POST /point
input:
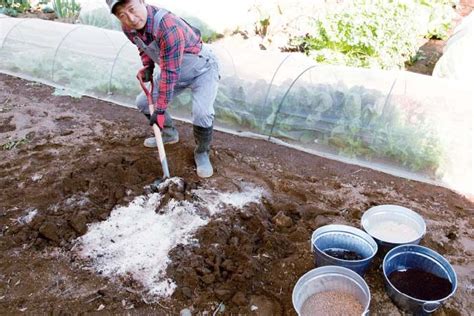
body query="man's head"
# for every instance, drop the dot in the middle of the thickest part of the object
(131, 13)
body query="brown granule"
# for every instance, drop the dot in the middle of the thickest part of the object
(331, 303)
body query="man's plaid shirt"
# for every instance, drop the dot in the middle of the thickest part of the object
(174, 38)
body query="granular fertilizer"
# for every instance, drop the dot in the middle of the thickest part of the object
(331, 303)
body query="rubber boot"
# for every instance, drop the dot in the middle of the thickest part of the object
(169, 133)
(203, 138)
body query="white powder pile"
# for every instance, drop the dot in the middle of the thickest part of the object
(214, 201)
(394, 232)
(135, 241)
(26, 219)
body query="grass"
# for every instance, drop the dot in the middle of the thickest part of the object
(12, 144)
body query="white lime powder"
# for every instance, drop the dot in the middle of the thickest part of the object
(135, 240)
(394, 232)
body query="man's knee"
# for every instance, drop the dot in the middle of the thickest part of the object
(203, 118)
(142, 103)
(204, 97)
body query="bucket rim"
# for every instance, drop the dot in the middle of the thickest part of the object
(397, 208)
(335, 271)
(338, 228)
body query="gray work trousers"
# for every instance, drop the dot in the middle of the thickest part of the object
(200, 73)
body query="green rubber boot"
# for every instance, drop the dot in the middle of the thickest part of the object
(203, 138)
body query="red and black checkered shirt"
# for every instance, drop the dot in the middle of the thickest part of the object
(175, 38)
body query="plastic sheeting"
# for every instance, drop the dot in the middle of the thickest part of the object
(402, 123)
(457, 61)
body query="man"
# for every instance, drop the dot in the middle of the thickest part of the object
(176, 47)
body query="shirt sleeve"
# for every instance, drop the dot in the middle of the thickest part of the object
(146, 61)
(172, 45)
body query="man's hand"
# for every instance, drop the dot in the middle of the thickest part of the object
(158, 118)
(146, 73)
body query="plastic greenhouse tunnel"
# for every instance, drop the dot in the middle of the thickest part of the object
(402, 123)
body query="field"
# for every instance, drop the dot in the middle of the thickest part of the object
(68, 165)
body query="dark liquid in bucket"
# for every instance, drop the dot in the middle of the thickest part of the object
(343, 254)
(420, 284)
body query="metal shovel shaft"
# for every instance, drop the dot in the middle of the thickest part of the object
(156, 130)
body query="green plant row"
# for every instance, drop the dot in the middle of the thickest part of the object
(375, 33)
(13, 7)
(351, 121)
(66, 9)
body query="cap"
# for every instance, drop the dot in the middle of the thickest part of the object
(112, 4)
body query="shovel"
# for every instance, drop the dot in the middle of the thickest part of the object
(157, 132)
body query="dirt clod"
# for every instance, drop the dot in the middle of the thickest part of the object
(49, 231)
(320, 221)
(281, 220)
(79, 223)
(223, 293)
(208, 279)
(239, 299)
(310, 211)
(187, 292)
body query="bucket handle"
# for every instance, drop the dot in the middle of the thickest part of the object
(430, 307)
(366, 313)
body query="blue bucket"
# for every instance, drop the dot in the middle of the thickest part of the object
(417, 257)
(343, 237)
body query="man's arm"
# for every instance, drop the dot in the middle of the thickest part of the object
(171, 56)
(146, 61)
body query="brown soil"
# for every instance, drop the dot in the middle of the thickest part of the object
(38, 14)
(73, 148)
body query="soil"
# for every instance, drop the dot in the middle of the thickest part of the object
(246, 261)
(38, 14)
(421, 284)
(343, 254)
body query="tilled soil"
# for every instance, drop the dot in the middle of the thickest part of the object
(71, 161)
